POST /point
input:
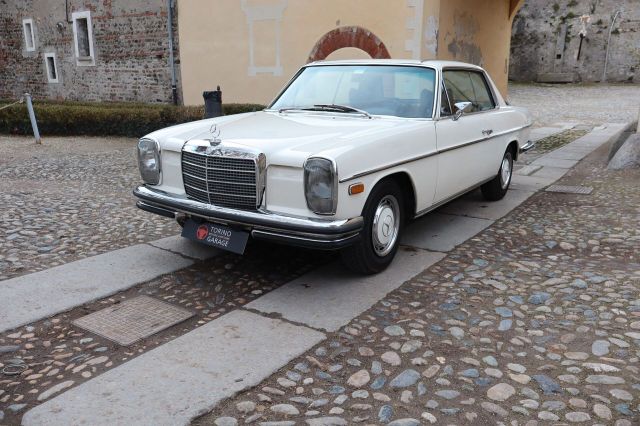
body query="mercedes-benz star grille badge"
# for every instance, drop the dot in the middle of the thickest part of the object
(215, 136)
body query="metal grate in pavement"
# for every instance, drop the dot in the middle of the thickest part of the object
(133, 319)
(568, 189)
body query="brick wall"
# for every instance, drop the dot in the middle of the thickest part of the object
(130, 43)
(546, 40)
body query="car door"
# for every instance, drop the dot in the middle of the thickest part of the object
(466, 146)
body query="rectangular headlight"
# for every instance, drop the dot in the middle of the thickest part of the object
(149, 161)
(321, 185)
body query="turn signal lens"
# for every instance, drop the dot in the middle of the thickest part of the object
(356, 188)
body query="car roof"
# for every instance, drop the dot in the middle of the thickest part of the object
(437, 64)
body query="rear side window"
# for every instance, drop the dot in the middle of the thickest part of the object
(468, 86)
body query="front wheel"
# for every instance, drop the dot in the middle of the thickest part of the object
(497, 188)
(383, 221)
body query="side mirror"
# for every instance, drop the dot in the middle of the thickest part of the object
(461, 108)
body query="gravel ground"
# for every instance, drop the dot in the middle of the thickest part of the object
(53, 355)
(536, 319)
(591, 104)
(68, 199)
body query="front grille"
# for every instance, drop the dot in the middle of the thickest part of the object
(221, 181)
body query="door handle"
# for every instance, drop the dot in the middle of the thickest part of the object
(487, 132)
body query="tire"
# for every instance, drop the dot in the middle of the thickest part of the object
(497, 187)
(384, 213)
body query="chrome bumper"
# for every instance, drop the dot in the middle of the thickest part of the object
(527, 146)
(265, 225)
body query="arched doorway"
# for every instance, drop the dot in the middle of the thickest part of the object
(352, 36)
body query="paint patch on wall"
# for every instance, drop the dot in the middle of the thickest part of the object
(262, 19)
(463, 46)
(414, 25)
(465, 52)
(431, 37)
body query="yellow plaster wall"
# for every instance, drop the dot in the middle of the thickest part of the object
(215, 41)
(216, 45)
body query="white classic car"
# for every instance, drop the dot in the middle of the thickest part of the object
(344, 156)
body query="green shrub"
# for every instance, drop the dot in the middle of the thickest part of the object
(104, 119)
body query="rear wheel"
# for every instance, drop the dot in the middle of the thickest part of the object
(497, 188)
(383, 222)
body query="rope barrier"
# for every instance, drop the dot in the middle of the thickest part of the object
(19, 101)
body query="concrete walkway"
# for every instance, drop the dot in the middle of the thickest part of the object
(45, 293)
(210, 364)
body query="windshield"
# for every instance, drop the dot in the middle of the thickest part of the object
(400, 91)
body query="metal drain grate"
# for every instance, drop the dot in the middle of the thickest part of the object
(133, 319)
(568, 189)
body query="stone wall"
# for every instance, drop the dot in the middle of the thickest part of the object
(130, 44)
(546, 40)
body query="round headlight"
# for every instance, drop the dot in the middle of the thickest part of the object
(321, 185)
(149, 161)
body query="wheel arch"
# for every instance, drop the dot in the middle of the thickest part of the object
(514, 148)
(404, 180)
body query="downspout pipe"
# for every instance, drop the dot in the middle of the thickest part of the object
(606, 55)
(172, 65)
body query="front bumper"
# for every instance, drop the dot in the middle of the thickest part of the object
(265, 225)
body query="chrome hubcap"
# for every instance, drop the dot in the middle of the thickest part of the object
(505, 172)
(386, 225)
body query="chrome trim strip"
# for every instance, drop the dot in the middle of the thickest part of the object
(421, 157)
(259, 219)
(390, 166)
(449, 199)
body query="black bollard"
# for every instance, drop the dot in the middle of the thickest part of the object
(212, 103)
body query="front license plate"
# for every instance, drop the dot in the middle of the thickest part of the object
(216, 235)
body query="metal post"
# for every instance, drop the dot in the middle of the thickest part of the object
(172, 65)
(32, 117)
(606, 55)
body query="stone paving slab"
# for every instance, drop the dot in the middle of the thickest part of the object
(178, 244)
(442, 232)
(569, 154)
(549, 172)
(330, 297)
(58, 289)
(526, 170)
(474, 205)
(184, 378)
(546, 160)
(530, 183)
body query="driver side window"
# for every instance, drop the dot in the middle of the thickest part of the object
(467, 86)
(458, 85)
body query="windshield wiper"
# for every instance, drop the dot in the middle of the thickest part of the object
(342, 108)
(328, 107)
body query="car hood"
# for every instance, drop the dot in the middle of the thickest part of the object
(286, 138)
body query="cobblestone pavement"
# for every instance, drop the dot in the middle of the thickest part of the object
(591, 104)
(52, 355)
(68, 199)
(535, 320)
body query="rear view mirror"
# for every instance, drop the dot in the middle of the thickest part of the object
(461, 108)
